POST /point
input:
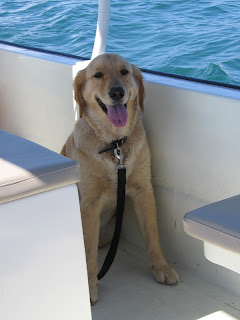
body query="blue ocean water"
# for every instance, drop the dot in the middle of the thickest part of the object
(196, 38)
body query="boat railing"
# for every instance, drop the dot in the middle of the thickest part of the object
(102, 28)
(101, 36)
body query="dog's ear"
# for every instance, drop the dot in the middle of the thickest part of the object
(78, 85)
(139, 80)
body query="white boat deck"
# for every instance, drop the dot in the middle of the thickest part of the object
(128, 291)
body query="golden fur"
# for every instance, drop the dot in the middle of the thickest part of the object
(98, 186)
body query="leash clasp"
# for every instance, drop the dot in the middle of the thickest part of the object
(119, 158)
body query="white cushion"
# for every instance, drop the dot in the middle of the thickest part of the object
(27, 168)
(217, 223)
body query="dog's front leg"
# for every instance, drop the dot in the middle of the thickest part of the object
(144, 205)
(90, 212)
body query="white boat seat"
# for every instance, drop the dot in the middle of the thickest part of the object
(42, 248)
(217, 224)
(27, 168)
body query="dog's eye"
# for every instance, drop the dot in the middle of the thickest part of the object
(124, 72)
(98, 75)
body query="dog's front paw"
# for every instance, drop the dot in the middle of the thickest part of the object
(165, 275)
(93, 294)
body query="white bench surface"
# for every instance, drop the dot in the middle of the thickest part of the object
(217, 223)
(27, 168)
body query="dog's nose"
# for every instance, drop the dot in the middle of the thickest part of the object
(116, 93)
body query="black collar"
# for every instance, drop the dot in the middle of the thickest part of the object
(113, 145)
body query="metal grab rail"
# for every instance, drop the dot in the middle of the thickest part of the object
(102, 28)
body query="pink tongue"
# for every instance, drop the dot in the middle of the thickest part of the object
(117, 115)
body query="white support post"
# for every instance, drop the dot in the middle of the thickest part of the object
(102, 28)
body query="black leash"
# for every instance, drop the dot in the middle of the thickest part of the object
(121, 171)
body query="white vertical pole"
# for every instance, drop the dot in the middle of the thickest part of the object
(99, 43)
(102, 28)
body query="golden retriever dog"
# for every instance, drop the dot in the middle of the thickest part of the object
(109, 92)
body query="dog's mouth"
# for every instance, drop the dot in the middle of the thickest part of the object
(117, 113)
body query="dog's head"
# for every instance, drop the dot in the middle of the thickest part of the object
(109, 90)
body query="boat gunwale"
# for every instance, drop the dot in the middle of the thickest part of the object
(167, 79)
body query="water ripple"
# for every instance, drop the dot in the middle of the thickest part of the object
(172, 36)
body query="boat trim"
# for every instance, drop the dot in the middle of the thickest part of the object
(183, 82)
